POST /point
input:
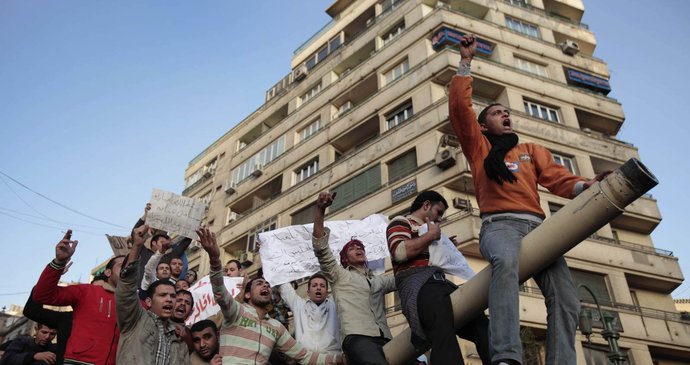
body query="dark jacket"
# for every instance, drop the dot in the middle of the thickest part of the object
(21, 351)
(61, 321)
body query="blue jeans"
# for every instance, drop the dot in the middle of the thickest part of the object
(499, 243)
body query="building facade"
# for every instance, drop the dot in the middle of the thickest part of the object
(364, 112)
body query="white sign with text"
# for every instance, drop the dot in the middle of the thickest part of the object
(286, 253)
(174, 213)
(204, 303)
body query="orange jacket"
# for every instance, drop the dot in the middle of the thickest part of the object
(532, 164)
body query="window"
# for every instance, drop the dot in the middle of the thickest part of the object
(357, 187)
(303, 216)
(307, 170)
(596, 282)
(324, 51)
(567, 162)
(259, 160)
(253, 234)
(310, 94)
(530, 66)
(400, 115)
(394, 32)
(309, 130)
(397, 71)
(205, 172)
(402, 165)
(541, 111)
(522, 27)
(388, 5)
(522, 3)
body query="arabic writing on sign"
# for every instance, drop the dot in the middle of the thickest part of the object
(204, 303)
(286, 253)
(175, 214)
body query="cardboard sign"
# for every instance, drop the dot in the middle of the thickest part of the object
(119, 244)
(174, 213)
(287, 254)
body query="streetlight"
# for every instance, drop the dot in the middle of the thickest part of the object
(615, 355)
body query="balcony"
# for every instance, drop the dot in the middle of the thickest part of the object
(641, 216)
(645, 268)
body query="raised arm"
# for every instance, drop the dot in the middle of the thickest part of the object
(228, 306)
(127, 305)
(150, 270)
(47, 290)
(462, 116)
(323, 253)
(287, 292)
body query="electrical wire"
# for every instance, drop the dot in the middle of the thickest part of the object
(61, 229)
(60, 204)
(59, 222)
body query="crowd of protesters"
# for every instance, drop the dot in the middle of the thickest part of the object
(134, 312)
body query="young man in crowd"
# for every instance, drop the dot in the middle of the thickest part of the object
(147, 336)
(248, 334)
(184, 304)
(233, 269)
(27, 350)
(205, 338)
(423, 288)
(506, 174)
(95, 333)
(191, 276)
(181, 284)
(158, 240)
(315, 318)
(358, 293)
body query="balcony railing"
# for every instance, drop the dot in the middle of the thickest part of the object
(632, 246)
(646, 312)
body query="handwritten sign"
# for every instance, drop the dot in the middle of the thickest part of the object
(286, 253)
(444, 254)
(204, 303)
(119, 244)
(175, 214)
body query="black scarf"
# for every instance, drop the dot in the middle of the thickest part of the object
(494, 163)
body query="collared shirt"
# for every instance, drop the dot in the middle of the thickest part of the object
(163, 346)
(359, 295)
(316, 326)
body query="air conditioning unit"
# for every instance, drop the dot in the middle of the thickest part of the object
(232, 216)
(445, 158)
(230, 187)
(301, 73)
(257, 171)
(462, 204)
(208, 171)
(194, 246)
(570, 47)
(245, 260)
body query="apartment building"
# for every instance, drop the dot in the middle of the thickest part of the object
(364, 113)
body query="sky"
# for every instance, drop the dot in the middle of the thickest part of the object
(100, 102)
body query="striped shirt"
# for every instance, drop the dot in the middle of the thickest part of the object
(401, 229)
(247, 339)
